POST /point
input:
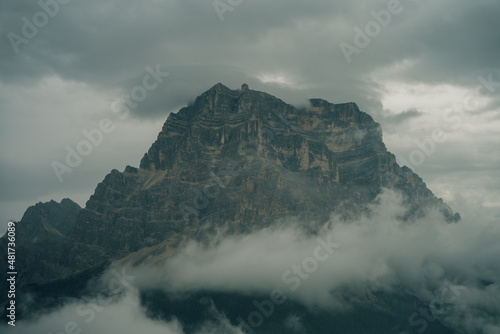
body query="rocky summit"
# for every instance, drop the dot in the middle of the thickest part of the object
(241, 159)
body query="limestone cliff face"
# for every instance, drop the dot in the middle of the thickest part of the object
(246, 158)
(241, 158)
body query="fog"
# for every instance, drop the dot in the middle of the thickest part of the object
(452, 267)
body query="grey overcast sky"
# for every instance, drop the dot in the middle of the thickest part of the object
(428, 71)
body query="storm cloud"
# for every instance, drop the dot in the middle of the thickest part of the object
(62, 64)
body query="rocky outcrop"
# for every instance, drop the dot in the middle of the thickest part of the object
(242, 159)
(39, 238)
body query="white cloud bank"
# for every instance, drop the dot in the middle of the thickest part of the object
(453, 267)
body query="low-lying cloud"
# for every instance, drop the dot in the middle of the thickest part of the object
(453, 268)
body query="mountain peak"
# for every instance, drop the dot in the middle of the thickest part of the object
(242, 159)
(219, 87)
(318, 102)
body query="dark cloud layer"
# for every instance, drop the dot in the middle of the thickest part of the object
(432, 57)
(66, 76)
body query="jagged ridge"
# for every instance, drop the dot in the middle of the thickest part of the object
(272, 160)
